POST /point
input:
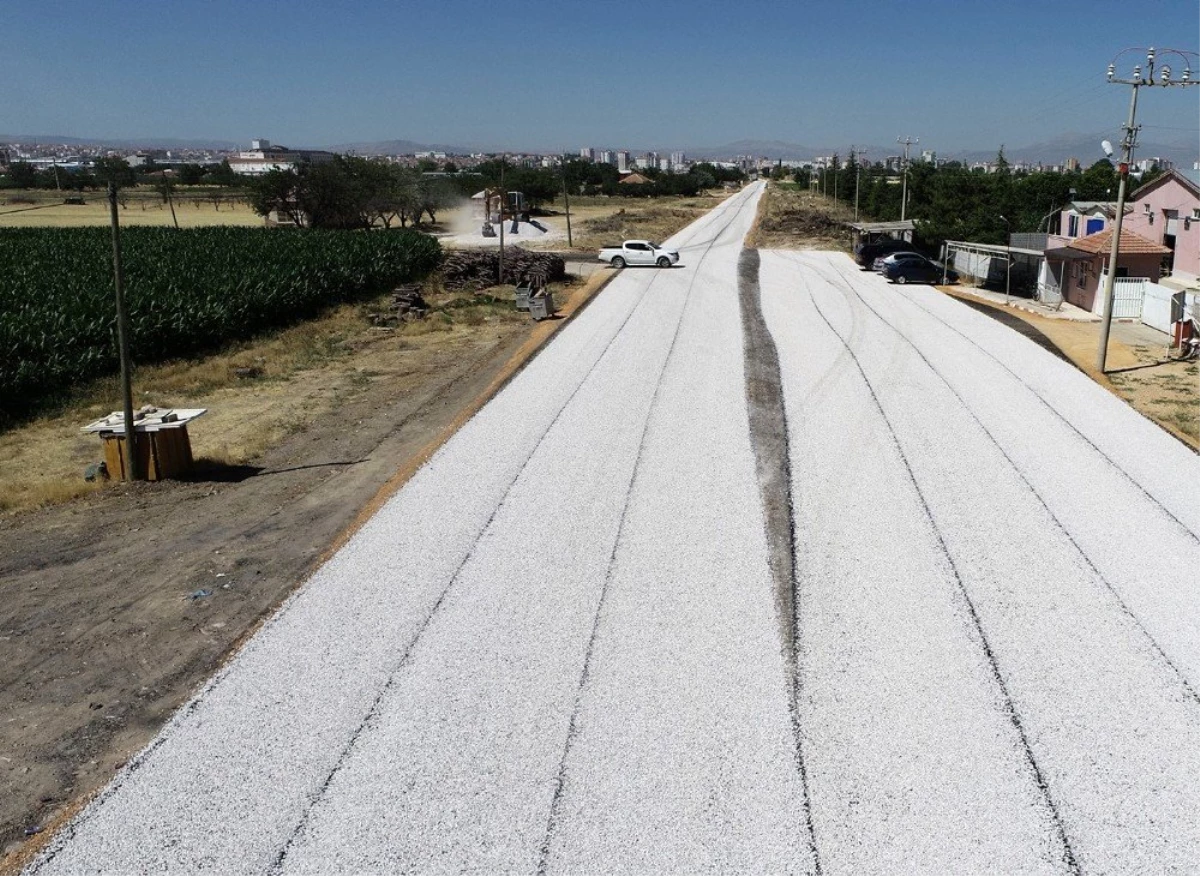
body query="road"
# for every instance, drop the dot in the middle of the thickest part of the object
(923, 600)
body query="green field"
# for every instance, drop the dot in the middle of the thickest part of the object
(188, 291)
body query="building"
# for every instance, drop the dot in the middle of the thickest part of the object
(623, 161)
(1144, 164)
(1081, 218)
(1167, 211)
(587, 153)
(607, 156)
(263, 157)
(1071, 165)
(678, 159)
(1080, 268)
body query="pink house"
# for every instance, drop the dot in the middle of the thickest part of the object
(1167, 211)
(1081, 218)
(1079, 267)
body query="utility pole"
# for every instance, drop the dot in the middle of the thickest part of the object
(857, 176)
(133, 463)
(566, 199)
(907, 141)
(503, 202)
(1128, 143)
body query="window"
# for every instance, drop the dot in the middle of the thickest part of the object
(1073, 225)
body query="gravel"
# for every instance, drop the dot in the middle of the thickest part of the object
(945, 490)
(558, 648)
(410, 707)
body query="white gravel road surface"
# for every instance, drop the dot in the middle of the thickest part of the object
(558, 648)
(453, 690)
(997, 608)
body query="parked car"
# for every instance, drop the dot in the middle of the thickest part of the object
(638, 252)
(878, 264)
(917, 270)
(867, 253)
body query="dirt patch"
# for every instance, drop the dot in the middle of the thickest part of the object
(793, 218)
(116, 606)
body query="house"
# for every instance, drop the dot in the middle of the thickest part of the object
(635, 179)
(1167, 211)
(1081, 218)
(1079, 267)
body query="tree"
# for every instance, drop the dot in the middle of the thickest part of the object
(277, 190)
(434, 193)
(22, 175)
(113, 169)
(224, 175)
(190, 174)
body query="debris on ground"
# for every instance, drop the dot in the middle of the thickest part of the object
(478, 269)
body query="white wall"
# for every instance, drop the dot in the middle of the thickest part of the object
(1156, 306)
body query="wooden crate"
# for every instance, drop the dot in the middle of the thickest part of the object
(165, 453)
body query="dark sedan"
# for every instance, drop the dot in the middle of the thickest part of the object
(913, 268)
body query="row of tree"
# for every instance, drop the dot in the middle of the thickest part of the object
(351, 192)
(953, 202)
(23, 175)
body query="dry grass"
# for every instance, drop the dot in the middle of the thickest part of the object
(140, 207)
(296, 375)
(790, 218)
(616, 219)
(1167, 392)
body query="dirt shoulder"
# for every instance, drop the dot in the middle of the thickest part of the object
(116, 606)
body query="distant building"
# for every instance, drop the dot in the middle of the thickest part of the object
(928, 156)
(1071, 165)
(678, 159)
(1144, 164)
(263, 157)
(607, 156)
(587, 153)
(623, 161)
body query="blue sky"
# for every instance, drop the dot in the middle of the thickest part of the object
(557, 75)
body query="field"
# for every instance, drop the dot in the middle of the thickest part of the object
(194, 208)
(187, 291)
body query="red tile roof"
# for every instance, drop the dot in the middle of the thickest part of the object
(1131, 244)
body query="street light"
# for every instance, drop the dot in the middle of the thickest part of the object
(1128, 142)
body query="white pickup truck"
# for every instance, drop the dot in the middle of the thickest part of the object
(638, 252)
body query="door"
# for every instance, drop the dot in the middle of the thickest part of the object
(639, 254)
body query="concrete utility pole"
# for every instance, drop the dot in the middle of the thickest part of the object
(566, 200)
(503, 203)
(1128, 143)
(857, 176)
(907, 141)
(133, 463)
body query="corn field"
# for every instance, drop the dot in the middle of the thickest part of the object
(187, 291)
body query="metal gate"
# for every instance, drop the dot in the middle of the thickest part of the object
(1128, 293)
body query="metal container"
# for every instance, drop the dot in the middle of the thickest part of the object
(523, 293)
(542, 306)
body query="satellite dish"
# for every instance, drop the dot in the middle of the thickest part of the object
(1107, 147)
